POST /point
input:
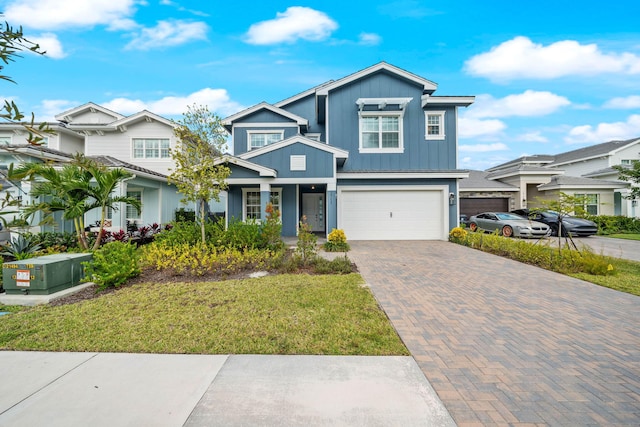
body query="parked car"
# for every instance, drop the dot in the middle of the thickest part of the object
(464, 220)
(570, 224)
(508, 225)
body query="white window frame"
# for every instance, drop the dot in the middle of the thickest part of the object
(5, 140)
(380, 114)
(440, 135)
(298, 162)
(279, 132)
(126, 208)
(586, 204)
(145, 149)
(245, 192)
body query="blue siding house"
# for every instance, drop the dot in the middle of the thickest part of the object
(373, 153)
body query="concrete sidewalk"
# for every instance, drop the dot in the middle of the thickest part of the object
(117, 389)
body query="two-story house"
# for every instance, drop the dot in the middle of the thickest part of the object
(373, 153)
(587, 172)
(139, 144)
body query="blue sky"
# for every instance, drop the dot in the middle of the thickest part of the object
(548, 76)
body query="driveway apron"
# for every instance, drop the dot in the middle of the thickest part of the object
(504, 343)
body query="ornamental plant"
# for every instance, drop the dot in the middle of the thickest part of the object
(306, 248)
(458, 235)
(336, 241)
(112, 265)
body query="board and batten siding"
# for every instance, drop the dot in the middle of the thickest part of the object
(319, 163)
(306, 107)
(419, 154)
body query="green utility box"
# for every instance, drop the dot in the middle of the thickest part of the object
(43, 275)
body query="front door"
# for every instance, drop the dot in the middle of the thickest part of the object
(313, 209)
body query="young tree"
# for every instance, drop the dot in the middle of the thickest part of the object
(564, 205)
(201, 139)
(631, 175)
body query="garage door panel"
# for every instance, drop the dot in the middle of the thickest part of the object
(392, 214)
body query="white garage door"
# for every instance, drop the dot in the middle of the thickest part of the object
(392, 213)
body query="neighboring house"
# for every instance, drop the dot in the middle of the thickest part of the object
(373, 153)
(139, 143)
(586, 172)
(480, 194)
(159, 200)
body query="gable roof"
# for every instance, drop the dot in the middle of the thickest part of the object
(523, 169)
(339, 153)
(301, 95)
(479, 181)
(536, 159)
(262, 170)
(428, 85)
(300, 121)
(142, 115)
(67, 116)
(593, 151)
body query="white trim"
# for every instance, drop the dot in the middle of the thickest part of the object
(263, 105)
(66, 115)
(313, 136)
(147, 115)
(265, 125)
(400, 175)
(399, 149)
(150, 159)
(132, 189)
(383, 102)
(488, 190)
(262, 170)
(342, 154)
(458, 101)
(263, 188)
(262, 132)
(441, 135)
(427, 85)
(282, 181)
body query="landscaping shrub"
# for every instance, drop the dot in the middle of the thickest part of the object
(336, 241)
(20, 247)
(112, 265)
(609, 224)
(457, 235)
(242, 235)
(60, 242)
(338, 265)
(271, 230)
(189, 232)
(198, 260)
(537, 253)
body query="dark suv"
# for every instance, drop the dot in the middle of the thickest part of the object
(570, 224)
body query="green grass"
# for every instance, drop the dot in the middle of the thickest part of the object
(283, 314)
(626, 279)
(624, 236)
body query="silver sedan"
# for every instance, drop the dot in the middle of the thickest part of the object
(508, 225)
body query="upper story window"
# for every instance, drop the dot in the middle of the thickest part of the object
(5, 140)
(626, 161)
(380, 124)
(151, 148)
(381, 132)
(434, 121)
(261, 138)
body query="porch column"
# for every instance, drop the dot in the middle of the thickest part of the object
(265, 196)
(332, 207)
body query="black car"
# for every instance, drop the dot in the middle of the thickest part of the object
(464, 220)
(570, 224)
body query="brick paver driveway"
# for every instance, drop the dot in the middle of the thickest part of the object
(506, 343)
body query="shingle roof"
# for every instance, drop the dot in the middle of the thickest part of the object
(520, 168)
(576, 181)
(536, 158)
(113, 162)
(478, 179)
(591, 151)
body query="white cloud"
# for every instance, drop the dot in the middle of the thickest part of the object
(527, 104)
(295, 23)
(469, 127)
(217, 100)
(369, 39)
(57, 14)
(604, 132)
(168, 33)
(483, 148)
(532, 137)
(50, 44)
(48, 109)
(632, 101)
(521, 58)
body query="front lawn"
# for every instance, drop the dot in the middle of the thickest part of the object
(624, 236)
(280, 314)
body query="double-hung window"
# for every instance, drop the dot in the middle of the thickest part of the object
(252, 206)
(590, 203)
(151, 148)
(434, 121)
(262, 138)
(381, 132)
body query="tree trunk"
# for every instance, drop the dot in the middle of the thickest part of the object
(202, 220)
